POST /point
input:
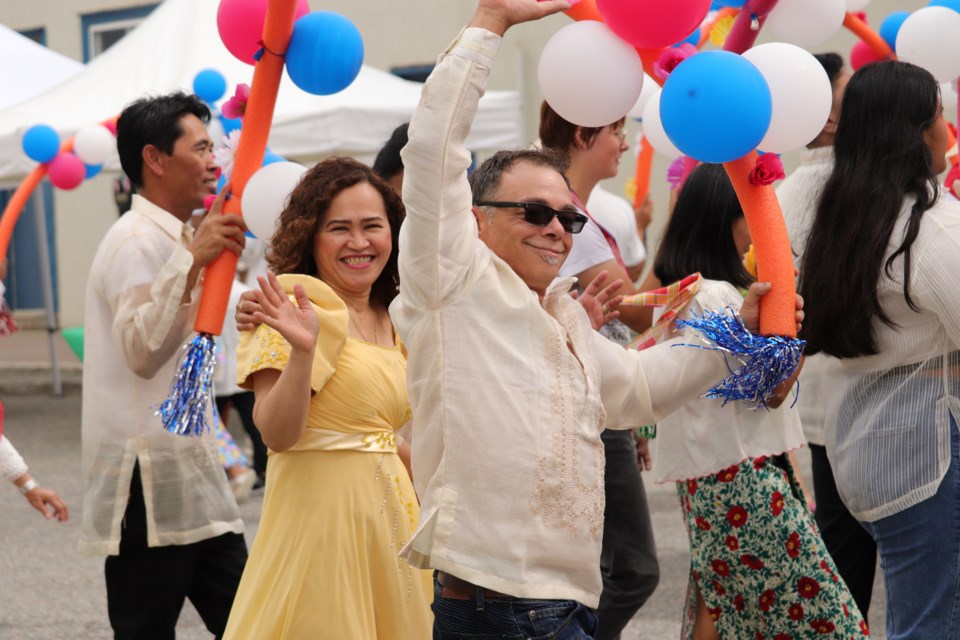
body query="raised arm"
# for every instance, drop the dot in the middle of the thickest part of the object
(439, 245)
(283, 397)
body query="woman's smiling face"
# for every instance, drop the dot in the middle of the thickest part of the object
(354, 242)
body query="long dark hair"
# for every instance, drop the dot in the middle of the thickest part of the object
(699, 235)
(881, 159)
(291, 248)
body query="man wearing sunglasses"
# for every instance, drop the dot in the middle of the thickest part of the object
(509, 383)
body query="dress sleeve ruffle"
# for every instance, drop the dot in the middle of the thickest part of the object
(265, 348)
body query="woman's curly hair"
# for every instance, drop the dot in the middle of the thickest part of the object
(291, 248)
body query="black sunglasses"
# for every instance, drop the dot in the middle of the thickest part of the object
(541, 215)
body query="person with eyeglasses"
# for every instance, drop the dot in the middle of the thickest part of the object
(628, 560)
(509, 384)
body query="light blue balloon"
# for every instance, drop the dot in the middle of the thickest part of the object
(890, 27)
(693, 38)
(719, 4)
(230, 124)
(949, 4)
(269, 157)
(41, 143)
(325, 53)
(93, 169)
(716, 106)
(209, 85)
(222, 181)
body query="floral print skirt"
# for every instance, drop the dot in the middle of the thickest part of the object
(758, 560)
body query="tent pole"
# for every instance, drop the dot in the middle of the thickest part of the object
(46, 278)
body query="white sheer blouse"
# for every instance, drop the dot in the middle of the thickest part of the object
(891, 445)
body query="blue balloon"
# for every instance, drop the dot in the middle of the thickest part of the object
(222, 181)
(949, 4)
(269, 157)
(93, 169)
(41, 143)
(209, 85)
(249, 234)
(719, 4)
(693, 38)
(325, 53)
(716, 106)
(890, 27)
(230, 124)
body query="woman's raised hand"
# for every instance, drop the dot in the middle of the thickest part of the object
(297, 323)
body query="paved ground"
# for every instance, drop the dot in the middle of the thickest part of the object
(49, 592)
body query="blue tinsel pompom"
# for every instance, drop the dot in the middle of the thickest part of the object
(184, 412)
(766, 361)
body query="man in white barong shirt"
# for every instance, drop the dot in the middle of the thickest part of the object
(509, 384)
(158, 505)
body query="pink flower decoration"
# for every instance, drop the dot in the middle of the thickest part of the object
(671, 57)
(236, 106)
(767, 170)
(675, 173)
(952, 181)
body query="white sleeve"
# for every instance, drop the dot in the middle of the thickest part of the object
(144, 292)
(642, 387)
(937, 265)
(440, 248)
(590, 248)
(12, 465)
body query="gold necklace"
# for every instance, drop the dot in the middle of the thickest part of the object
(360, 331)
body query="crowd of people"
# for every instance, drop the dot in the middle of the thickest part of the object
(444, 397)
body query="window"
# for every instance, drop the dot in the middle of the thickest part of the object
(104, 29)
(416, 73)
(38, 35)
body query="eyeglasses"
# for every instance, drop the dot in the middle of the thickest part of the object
(620, 133)
(541, 215)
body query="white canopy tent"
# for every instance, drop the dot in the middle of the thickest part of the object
(30, 69)
(180, 38)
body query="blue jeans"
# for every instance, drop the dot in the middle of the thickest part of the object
(920, 559)
(478, 618)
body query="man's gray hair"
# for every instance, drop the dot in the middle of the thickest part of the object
(485, 181)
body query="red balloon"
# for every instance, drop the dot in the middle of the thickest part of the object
(861, 54)
(240, 23)
(66, 171)
(653, 24)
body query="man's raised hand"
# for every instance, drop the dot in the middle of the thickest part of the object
(499, 15)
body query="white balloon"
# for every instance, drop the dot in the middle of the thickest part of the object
(948, 96)
(653, 128)
(801, 93)
(588, 75)
(806, 22)
(266, 195)
(649, 88)
(94, 144)
(930, 38)
(857, 5)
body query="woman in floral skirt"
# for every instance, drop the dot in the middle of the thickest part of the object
(759, 569)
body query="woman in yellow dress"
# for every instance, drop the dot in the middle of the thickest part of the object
(330, 380)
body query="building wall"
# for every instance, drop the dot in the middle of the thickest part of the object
(395, 34)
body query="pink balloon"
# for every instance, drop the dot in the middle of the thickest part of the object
(66, 171)
(861, 54)
(240, 23)
(653, 24)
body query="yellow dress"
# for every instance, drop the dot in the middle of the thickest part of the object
(339, 505)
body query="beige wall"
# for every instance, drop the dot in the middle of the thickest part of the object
(395, 34)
